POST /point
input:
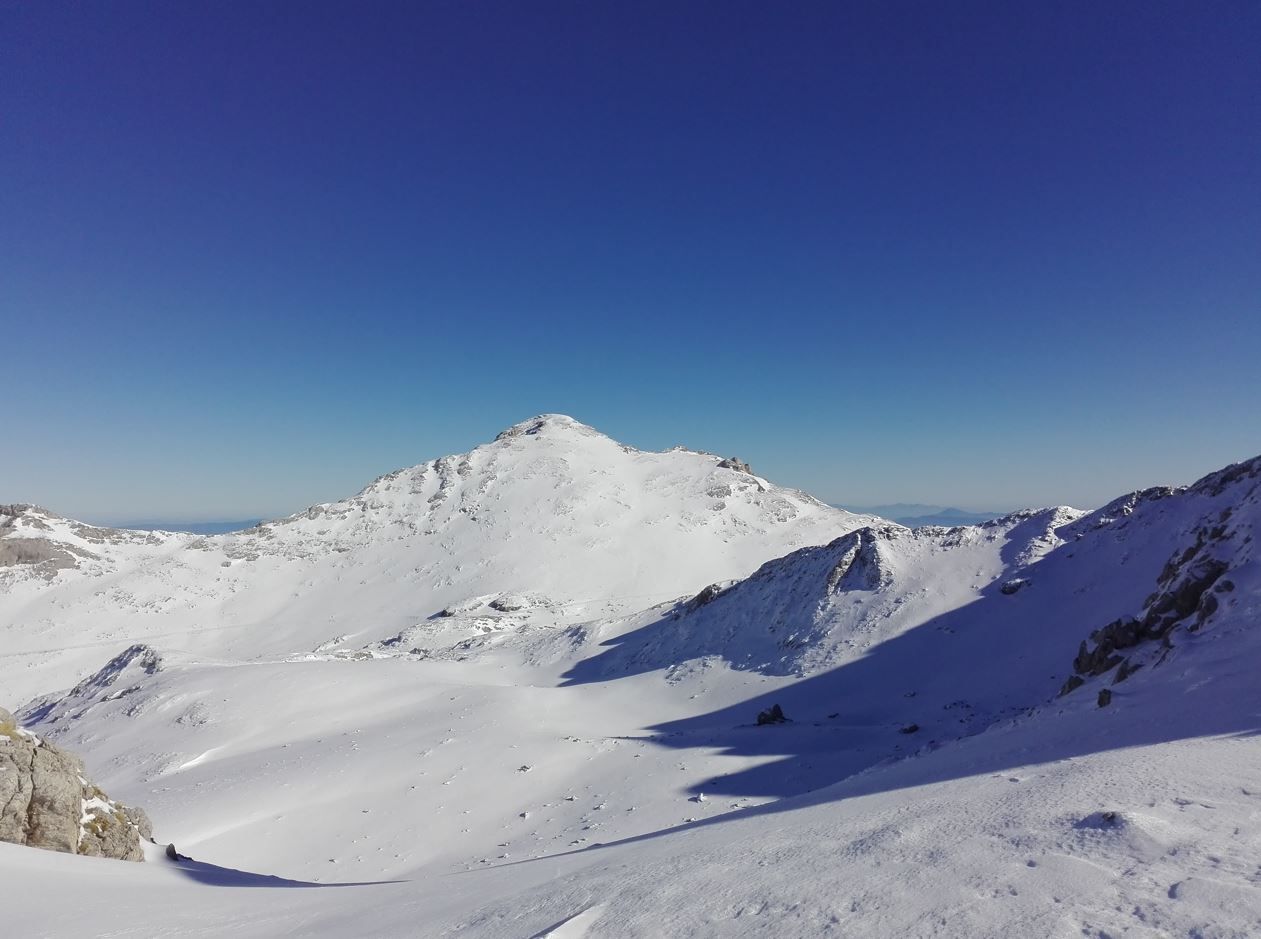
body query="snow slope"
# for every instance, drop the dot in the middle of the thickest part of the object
(550, 523)
(599, 772)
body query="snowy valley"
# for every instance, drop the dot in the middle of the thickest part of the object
(531, 690)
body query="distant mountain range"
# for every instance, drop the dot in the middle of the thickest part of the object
(916, 515)
(193, 528)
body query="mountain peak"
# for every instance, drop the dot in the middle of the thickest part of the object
(549, 424)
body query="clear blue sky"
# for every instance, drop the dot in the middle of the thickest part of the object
(254, 254)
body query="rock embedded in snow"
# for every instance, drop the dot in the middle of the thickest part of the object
(773, 715)
(46, 801)
(737, 464)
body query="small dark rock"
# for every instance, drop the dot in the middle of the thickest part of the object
(909, 729)
(1074, 682)
(1105, 697)
(1098, 821)
(175, 855)
(773, 716)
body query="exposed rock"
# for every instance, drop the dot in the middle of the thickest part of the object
(861, 566)
(735, 463)
(706, 596)
(175, 855)
(46, 801)
(909, 729)
(775, 715)
(1185, 596)
(1105, 697)
(1101, 821)
(1015, 585)
(1074, 682)
(508, 603)
(119, 677)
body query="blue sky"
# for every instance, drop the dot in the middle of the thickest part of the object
(254, 254)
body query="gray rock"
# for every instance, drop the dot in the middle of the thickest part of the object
(47, 802)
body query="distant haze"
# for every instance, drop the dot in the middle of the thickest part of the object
(915, 514)
(196, 528)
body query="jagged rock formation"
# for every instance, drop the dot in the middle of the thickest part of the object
(47, 802)
(1189, 587)
(118, 678)
(861, 566)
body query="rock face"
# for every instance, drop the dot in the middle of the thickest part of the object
(47, 802)
(1186, 596)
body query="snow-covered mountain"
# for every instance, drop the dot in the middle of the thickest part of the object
(1042, 725)
(550, 523)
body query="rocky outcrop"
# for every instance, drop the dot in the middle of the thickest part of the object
(861, 566)
(47, 802)
(121, 676)
(1186, 596)
(17, 548)
(707, 596)
(735, 463)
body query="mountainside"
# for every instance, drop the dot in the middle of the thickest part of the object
(1042, 725)
(552, 522)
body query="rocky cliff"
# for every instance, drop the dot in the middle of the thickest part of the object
(46, 801)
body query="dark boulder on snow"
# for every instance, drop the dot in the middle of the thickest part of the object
(773, 715)
(175, 855)
(1074, 682)
(1100, 821)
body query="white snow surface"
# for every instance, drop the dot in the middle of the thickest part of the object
(340, 764)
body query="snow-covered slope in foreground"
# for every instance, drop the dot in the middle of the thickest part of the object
(608, 777)
(551, 523)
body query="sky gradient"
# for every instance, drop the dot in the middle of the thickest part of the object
(252, 255)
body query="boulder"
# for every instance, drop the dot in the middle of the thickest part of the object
(47, 802)
(774, 715)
